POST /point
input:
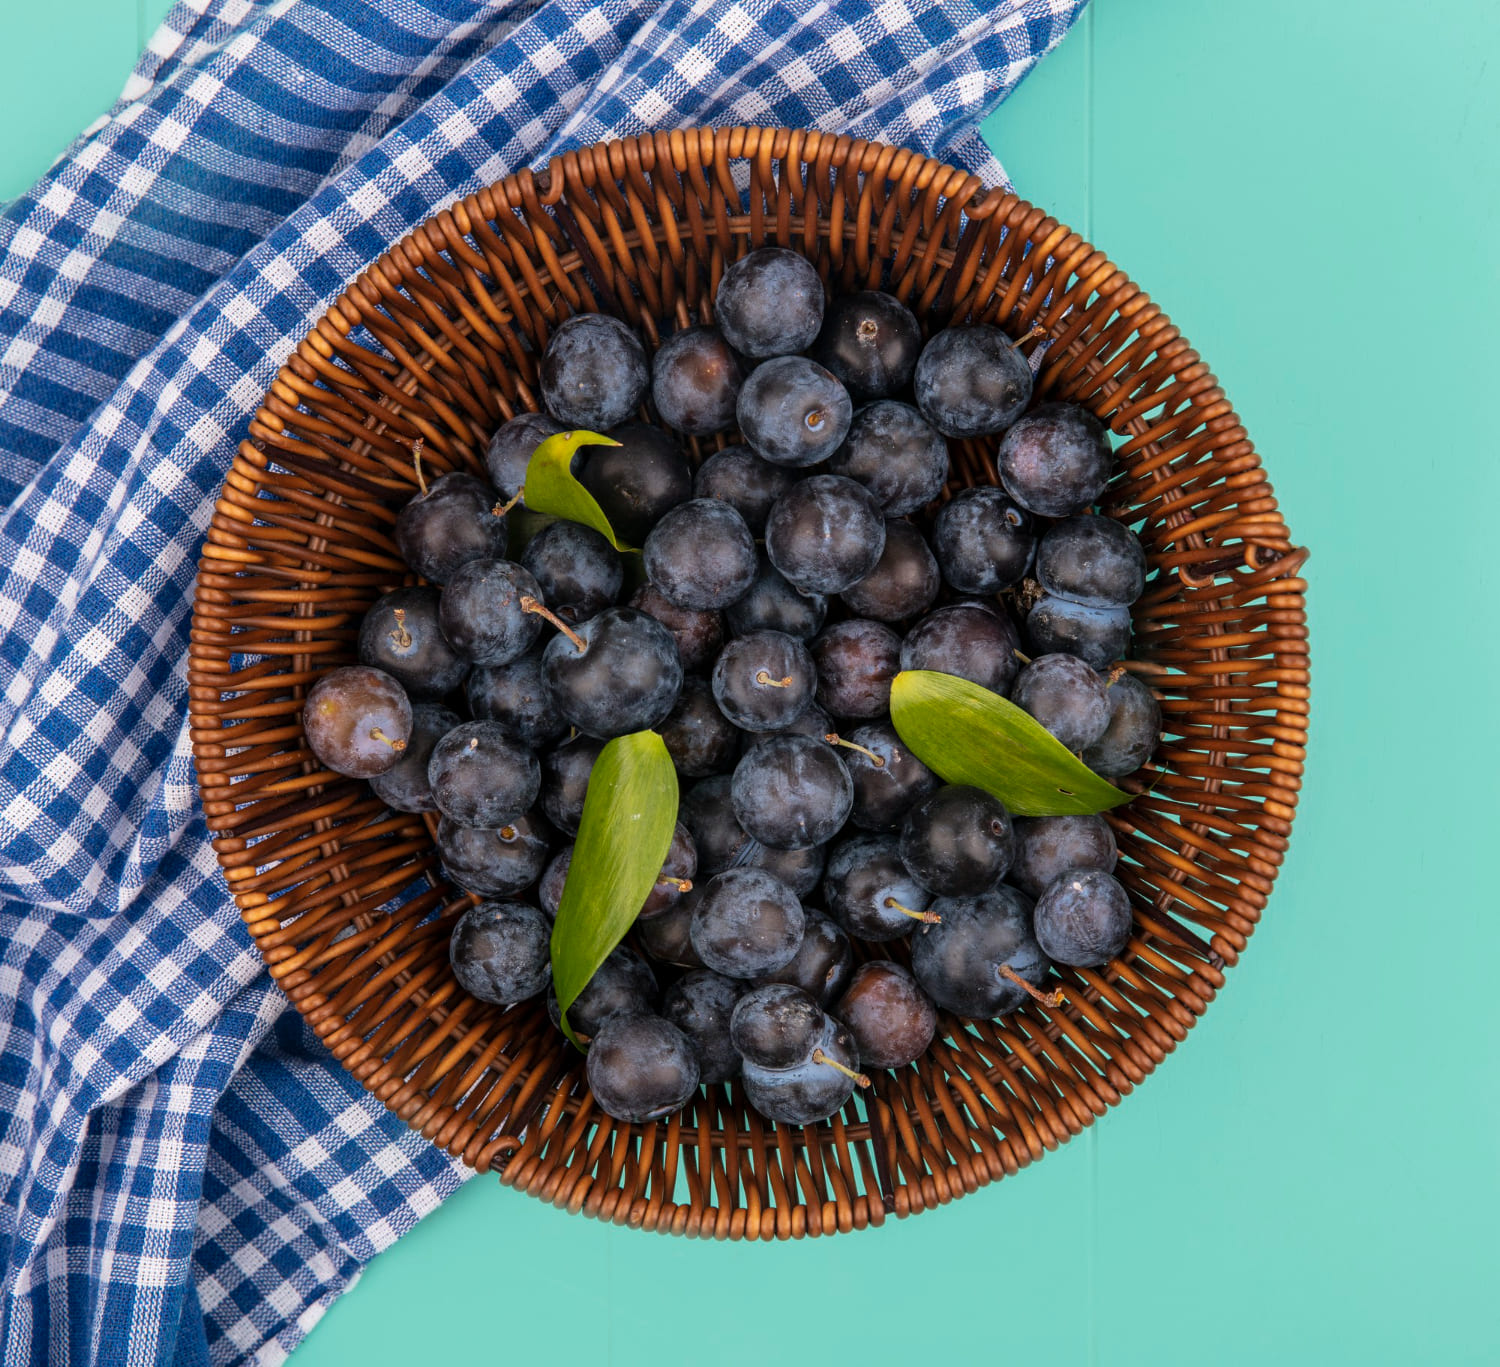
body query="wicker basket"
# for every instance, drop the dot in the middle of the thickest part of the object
(439, 340)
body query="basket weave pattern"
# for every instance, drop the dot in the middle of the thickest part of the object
(439, 340)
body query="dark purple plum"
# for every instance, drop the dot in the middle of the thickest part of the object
(707, 810)
(800, 870)
(404, 786)
(1099, 636)
(772, 604)
(971, 381)
(1049, 846)
(1092, 560)
(1066, 696)
(957, 841)
(969, 640)
(699, 635)
(493, 863)
(357, 720)
(638, 481)
(770, 303)
(700, 1004)
(793, 412)
(825, 534)
(621, 674)
(593, 373)
(698, 736)
(791, 792)
(740, 478)
(1083, 918)
(454, 522)
(512, 447)
(870, 341)
(501, 952)
(667, 938)
(904, 581)
(565, 781)
(764, 681)
(482, 777)
(892, 1020)
(675, 880)
(856, 661)
(554, 878)
(579, 572)
(624, 983)
(960, 962)
(812, 1090)
(747, 923)
(870, 892)
(983, 541)
(888, 779)
(400, 634)
(641, 1068)
(776, 1025)
(515, 698)
(695, 378)
(701, 555)
(1133, 730)
(822, 963)
(1056, 460)
(482, 611)
(896, 454)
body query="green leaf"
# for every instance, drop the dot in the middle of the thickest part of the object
(551, 488)
(966, 734)
(629, 814)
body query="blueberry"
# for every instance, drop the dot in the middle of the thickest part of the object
(791, 792)
(593, 374)
(565, 781)
(624, 983)
(404, 786)
(641, 1068)
(776, 1025)
(1133, 730)
(869, 890)
(1066, 696)
(746, 924)
(625, 677)
(959, 961)
(896, 454)
(793, 412)
(1083, 918)
(888, 779)
(512, 447)
(870, 341)
(772, 604)
(481, 611)
(694, 381)
(357, 720)
(983, 541)
(971, 381)
(822, 963)
(400, 635)
(698, 736)
(501, 952)
(454, 522)
(1092, 560)
(667, 938)
(968, 640)
(740, 478)
(700, 1004)
(699, 635)
(707, 810)
(904, 581)
(1098, 635)
(701, 555)
(825, 534)
(764, 681)
(1049, 846)
(770, 303)
(812, 1090)
(1056, 460)
(856, 661)
(800, 869)
(957, 841)
(493, 863)
(515, 698)
(481, 777)
(892, 1020)
(578, 571)
(638, 481)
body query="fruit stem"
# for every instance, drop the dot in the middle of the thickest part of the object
(416, 464)
(1036, 994)
(1024, 659)
(529, 604)
(681, 884)
(927, 918)
(507, 833)
(401, 637)
(761, 677)
(396, 745)
(1116, 673)
(833, 738)
(860, 1080)
(500, 509)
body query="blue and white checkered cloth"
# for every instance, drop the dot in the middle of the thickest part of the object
(187, 1174)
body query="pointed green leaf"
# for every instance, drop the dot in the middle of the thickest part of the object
(629, 814)
(966, 734)
(551, 488)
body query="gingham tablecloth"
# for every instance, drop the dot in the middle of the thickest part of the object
(187, 1174)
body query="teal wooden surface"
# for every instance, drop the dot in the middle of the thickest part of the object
(1310, 192)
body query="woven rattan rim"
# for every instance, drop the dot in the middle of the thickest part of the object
(438, 339)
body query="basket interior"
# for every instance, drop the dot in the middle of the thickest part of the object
(439, 340)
